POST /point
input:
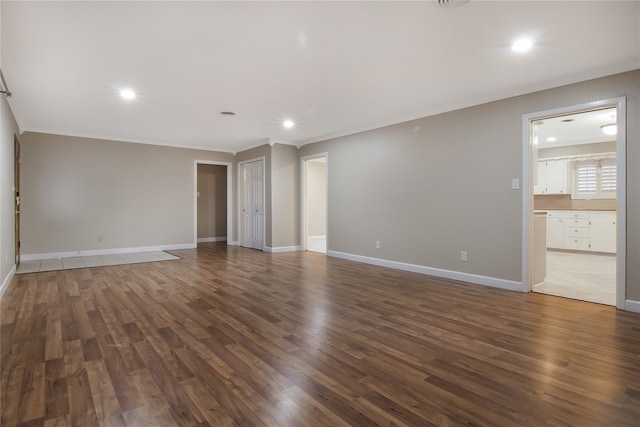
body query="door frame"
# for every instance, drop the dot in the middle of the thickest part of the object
(16, 199)
(229, 166)
(240, 236)
(620, 104)
(303, 197)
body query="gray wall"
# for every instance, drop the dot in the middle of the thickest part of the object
(282, 193)
(212, 202)
(9, 128)
(430, 188)
(133, 195)
(285, 196)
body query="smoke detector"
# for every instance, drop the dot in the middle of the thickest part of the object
(452, 3)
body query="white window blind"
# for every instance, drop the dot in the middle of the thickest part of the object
(595, 179)
(608, 175)
(587, 177)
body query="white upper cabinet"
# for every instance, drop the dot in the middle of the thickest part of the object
(552, 177)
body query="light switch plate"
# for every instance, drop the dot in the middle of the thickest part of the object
(515, 183)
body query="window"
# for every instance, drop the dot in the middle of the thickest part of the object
(594, 179)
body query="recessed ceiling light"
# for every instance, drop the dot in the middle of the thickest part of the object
(551, 139)
(522, 45)
(127, 94)
(288, 124)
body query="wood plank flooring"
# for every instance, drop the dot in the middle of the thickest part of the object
(228, 336)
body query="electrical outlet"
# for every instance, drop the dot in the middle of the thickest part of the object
(463, 256)
(377, 244)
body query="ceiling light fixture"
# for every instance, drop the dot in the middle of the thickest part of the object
(552, 139)
(127, 94)
(452, 3)
(610, 129)
(288, 124)
(522, 45)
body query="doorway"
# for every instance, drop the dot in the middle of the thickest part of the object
(251, 200)
(574, 227)
(16, 186)
(212, 202)
(314, 203)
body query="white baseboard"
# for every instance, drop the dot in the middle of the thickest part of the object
(7, 280)
(447, 274)
(71, 254)
(282, 249)
(631, 305)
(212, 239)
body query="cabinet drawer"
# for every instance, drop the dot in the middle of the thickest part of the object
(576, 222)
(577, 243)
(578, 214)
(582, 232)
(555, 214)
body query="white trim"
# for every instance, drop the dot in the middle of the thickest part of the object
(7, 280)
(303, 196)
(527, 193)
(71, 254)
(260, 143)
(212, 239)
(129, 140)
(430, 271)
(633, 306)
(229, 166)
(282, 249)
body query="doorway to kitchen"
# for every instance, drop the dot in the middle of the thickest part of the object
(576, 203)
(314, 203)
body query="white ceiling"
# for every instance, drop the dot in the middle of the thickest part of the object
(575, 129)
(332, 67)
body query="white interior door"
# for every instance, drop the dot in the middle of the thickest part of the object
(252, 204)
(245, 197)
(257, 204)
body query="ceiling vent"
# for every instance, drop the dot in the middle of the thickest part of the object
(452, 3)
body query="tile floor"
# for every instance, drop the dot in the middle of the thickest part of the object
(586, 277)
(35, 266)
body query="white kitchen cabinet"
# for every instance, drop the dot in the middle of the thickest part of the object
(593, 231)
(554, 230)
(552, 177)
(603, 231)
(575, 230)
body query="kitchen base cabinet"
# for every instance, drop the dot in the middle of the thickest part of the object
(592, 231)
(554, 230)
(603, 232)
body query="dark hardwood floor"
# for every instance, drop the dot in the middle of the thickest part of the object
(232, 336)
